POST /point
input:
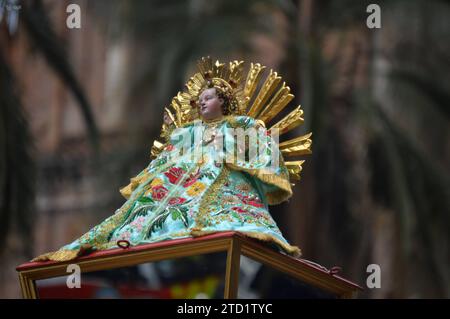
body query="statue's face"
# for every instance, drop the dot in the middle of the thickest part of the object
(210, 105)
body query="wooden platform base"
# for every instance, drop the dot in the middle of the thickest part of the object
(235, 244)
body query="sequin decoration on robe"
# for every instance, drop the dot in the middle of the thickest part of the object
(183, 195)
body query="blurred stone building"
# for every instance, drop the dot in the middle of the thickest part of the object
(74, 188)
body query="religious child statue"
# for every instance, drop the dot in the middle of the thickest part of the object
(216, 167)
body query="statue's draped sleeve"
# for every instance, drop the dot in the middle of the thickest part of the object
(267, 166)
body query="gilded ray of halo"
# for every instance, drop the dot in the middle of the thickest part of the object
(276, 104)
(297, 146)
(172, 117)
(179, 120)
(195, 85)
(187, 109)
(253, 77)
(290, 121)
(236, 70)
(225, 72)
(205, 65)
(217, 69)
(184, 97)
(267, 89)
(199, 81)
(242, 102)
(175, 114)
(294, 168)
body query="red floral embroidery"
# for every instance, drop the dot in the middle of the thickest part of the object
(255, 203)
(239, 210)
(191, 180)
(176, 201)
(174, 174)
(159, 192)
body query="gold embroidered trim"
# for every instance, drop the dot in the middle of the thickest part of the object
(134, 183)
(209, 196)
(291, 250)
(63, 254)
